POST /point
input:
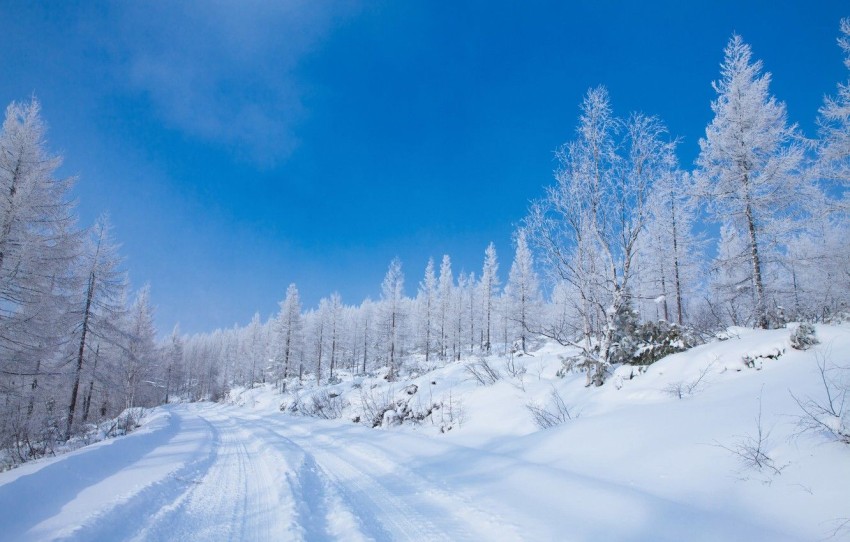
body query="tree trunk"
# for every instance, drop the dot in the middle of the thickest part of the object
(677, 280)
(391, 376)
(34, 387)
(75, 389)
(287, 350)
(319, 362)
(761, 312)
(87, 401)
(664, 294)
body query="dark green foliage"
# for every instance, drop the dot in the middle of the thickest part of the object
(651, 341)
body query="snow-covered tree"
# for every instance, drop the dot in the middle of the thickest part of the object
(834, 122)
(489, 291)
(365, 323)
(670, 252)
(588, 225)
(140, 353)
(289, 331)
(97, 315)
(334, 314)
(816, 282)
(749, 164)
(393, 316)
(427, 302)
(445, 287)
(522, 293)
(730, 282)
(317, 330)
(469, 307)
(253, 351)
(39, 245)
(173, 359)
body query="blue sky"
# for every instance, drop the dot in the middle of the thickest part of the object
(239, 147)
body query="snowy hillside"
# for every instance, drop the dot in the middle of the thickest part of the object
(460, 459)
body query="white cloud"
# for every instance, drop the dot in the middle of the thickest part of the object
(225, 72)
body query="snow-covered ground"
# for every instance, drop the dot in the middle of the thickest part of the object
(635, 462)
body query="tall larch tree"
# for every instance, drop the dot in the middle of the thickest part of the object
(289, 330)
(427, 304)
(98, 314)
(489, 288)
(749, 163)
(445, 286)
(39, 246)
(834, 123)
(392, 298)
(671, 251)
(139, 364)
(335, 312)
(524, 299)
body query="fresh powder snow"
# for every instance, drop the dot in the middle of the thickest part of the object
(634, 461)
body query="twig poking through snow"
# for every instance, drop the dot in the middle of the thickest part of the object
(752, 450)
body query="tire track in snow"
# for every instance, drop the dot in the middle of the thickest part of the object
(238, 498)
(117, 522)
(391, 505)
(322, 513)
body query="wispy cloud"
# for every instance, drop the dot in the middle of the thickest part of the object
(224, 71)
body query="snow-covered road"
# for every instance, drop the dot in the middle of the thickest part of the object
(212, 472)
(205, 472)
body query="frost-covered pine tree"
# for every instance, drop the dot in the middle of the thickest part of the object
(139, 364)
(670, 251)
(173, 359)
(318, 326)
(470, 309)
(730, 283)
(365, 323)
(816, 283)
(393, 315)
(522, 293)
(445, 302)
(288, 329)
(749, 164)
(427, 301)
(335, 312)
(252, 351)
(39, 246)
(97, 314)
(489, 290)
(834, 123)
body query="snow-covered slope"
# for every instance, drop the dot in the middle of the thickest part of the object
(651, 457)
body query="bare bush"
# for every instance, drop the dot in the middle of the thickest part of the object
(380, 409)
(516, 371)
(482, 372)
(555, 413)
(513, 368)
(452, 413)
(126, 422)
(374, 405)
(830, 414)
(325, 405)
(751, 450)
(682, 389)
